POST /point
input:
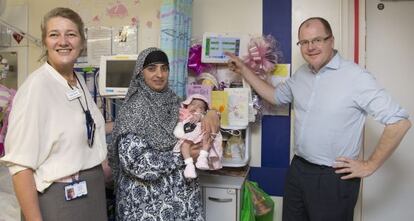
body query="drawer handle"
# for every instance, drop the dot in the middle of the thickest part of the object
(219, 200)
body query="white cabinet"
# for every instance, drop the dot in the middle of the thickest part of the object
(222, 196)
(221, 204)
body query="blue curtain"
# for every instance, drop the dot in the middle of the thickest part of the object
(175, 40)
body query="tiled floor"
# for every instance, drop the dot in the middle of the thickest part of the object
(9, 208)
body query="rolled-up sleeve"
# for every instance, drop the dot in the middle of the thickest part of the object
(377, 102)
(23, 140)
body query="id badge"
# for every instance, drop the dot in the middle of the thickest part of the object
(73, 94)
(75, 190)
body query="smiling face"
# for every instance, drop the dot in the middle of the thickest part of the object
(156, 76)
(63, 43)
(316, 53)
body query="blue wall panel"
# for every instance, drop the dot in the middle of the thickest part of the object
(271, 180)
(277, 21)
(275, 141)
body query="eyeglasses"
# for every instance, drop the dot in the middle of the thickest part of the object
(316, 41)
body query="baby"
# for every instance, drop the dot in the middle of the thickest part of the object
(188, 130)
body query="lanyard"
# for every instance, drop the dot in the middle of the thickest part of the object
(90, 123)
(84, 95)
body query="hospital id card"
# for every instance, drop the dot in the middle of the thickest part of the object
(75, 190)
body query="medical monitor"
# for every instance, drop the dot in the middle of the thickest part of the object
(115, 74)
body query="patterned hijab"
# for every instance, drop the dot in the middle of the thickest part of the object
(151, 115)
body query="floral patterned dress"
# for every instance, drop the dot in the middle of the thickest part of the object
(152, 186)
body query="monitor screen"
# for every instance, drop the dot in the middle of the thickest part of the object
(119, 72)
(115, 74)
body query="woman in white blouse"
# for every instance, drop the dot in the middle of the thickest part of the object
(55, 142)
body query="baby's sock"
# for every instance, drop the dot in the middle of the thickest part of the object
(189, 171)
(202, 160)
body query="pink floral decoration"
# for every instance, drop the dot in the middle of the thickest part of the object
(117, 10)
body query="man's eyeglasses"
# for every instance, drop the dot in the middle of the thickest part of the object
(316, 41)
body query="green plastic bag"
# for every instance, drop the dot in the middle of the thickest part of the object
(257, 205)
(262, 202)
(247, 209)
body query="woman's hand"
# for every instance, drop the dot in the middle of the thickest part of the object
(210, 123)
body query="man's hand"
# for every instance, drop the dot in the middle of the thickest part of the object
(389, 141)
(234, 63)
(353, 168)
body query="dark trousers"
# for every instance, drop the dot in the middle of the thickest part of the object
(316, 193)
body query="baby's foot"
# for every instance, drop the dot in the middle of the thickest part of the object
(202, 163)
(189, 171)
(202, 160)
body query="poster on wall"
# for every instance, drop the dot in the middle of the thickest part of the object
(125, 40)
(99, 44)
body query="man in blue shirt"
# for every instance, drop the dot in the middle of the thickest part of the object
(331, 98)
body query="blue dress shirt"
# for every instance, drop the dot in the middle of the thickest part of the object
(331, 106)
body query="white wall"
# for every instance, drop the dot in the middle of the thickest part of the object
(388, 193)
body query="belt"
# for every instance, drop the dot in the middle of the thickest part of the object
(309, 163)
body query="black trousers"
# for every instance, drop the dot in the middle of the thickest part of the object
(316, 193)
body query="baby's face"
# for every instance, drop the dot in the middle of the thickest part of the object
(197, 106)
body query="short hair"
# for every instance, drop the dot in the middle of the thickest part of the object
(324, 22)
(64, 13)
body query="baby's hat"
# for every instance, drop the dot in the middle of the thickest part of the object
(196, 96)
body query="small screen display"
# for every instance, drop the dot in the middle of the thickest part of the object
(216, 46)
(119, 72)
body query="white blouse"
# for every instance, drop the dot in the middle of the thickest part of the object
(47, 130)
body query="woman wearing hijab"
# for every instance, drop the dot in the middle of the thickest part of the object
(148, 175)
